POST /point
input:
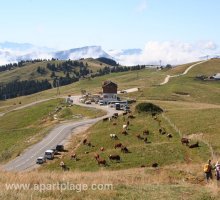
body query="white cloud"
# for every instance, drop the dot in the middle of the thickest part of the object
(172, 52)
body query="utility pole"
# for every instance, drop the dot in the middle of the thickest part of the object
(58, 87)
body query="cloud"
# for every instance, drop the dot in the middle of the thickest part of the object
(170, 52)
(142, 6)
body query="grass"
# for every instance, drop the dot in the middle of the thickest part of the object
(138, 183)
(159, 149)
(20, 129)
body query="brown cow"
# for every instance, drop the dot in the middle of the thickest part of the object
(84, 141)
(146, 132)
(114, 157)
(185, 141)
(139, 137)
(101, 161)
(124, 132)
(118, 145)
(124, 149)
(105, 119)
(194, 145)
(96, 156)
(131, 116)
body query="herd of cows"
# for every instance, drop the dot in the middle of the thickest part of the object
(124, 149)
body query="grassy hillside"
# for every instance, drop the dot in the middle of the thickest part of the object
(22, 128)
(29, 70)
(192, 109)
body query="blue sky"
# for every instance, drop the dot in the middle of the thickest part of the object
(113, 24)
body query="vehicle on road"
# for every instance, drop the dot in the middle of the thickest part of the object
(40, 160)
(49, 154)
(88, 102)
(60, 147)
(117, 106)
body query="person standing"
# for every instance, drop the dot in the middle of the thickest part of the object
(217, 170)
(208, 170)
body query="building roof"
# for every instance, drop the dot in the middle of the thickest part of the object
(108, 83)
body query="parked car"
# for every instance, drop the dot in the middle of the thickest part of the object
(40, 160)
(88, 102)
(60, 147)
(49, 154)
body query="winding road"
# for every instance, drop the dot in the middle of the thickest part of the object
(60, 133)
(168, 77)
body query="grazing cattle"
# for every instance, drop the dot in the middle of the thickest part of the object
(155, 165)
(114, 123)
(128, 123)
(84, 141)
(143, 166)
(115, 114)
(139, 137)
(114, 136)
(125, 113)
(185, 141)
(163, 132)
(124, 149)
(73, 156)
(169, 135)
(124, 132)
(102, 149)
(96, 156)
(146, 132)
(125, 127)
(194, 145)
(131, 116)
(105, 119)
(114, 157)
(118, 145)
(101, 161)
(160, 130)
(145, 140)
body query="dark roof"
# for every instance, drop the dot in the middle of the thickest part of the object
(108, 82)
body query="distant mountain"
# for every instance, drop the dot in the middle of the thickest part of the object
(83, 52)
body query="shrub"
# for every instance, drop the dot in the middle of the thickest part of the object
(149, 108)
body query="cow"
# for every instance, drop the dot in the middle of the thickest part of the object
(131, 116)
(169, 135)
(73, 156)
(145, 140)
(114, 157)
(185, 141)
(146, 132)
(85, 141)
(139, 137)
(155, 165)
(124, 149)
(124, 132)
(114, 123)
(115, 114)
(194, 145)
(102, 149)
(96, 156)
(101, 161)
(125, 113)
(118, 145)
(160, 130)
(114, 136)
(105, 119)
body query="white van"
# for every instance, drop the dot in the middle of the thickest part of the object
(49, 154)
